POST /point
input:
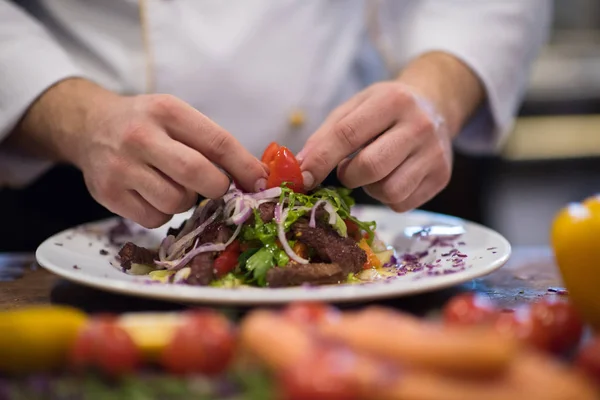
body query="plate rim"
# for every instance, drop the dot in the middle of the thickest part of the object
(222, 296)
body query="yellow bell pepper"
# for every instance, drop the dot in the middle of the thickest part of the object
(575, 241)
(37, 339)
(372, 259)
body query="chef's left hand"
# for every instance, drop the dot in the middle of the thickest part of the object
(405, 155)
(404, 143)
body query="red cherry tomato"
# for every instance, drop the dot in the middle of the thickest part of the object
(204, 344)
(353, 229)
(310, 312)
(521, 326)
(285, 168)
(561, 322)
(270, 153)
(325, 375)
(227, 260)
(588, 360)
(104, 345)
(469, 309)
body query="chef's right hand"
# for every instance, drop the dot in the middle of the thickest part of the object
(147, 157)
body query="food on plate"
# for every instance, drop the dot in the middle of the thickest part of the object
(575, 233)
(549, 324)
(276, 238)
(304, 351)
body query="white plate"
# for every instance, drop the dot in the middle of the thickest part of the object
(75, 254)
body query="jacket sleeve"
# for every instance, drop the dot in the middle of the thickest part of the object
(31, 61)
(498, 39)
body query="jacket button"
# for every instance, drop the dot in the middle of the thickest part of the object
(297, 118)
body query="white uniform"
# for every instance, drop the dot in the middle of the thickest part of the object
(251, 64)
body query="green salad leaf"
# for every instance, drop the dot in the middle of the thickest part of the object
(256, 262)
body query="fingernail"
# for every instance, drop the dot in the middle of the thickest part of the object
(260, 185)
(300, 156)
(309, 179)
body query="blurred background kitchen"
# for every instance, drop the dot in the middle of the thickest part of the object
(553, 156)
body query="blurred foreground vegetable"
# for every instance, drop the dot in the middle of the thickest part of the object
(37, 338)
(576, 244)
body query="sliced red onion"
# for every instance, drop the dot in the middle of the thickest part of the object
(330, 210)
(266, 194)
(164, 246)
(199, 215)
(241, 217)
(277, 212)
(174, 265)
(183, 243)
(263, 201)
(233, 207)
(281, 235)
(312, 223)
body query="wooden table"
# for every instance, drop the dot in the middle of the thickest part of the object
(529, 274)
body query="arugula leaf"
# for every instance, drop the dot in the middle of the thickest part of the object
(281, 257)
(340, 226)
(243, 258)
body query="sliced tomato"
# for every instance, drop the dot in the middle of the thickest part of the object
(353, 229)
(227, 260)
(106, 346)
(285, 168)
(372, 260)
(203, 344)
(326, 374)
(270, 153)
(469, 309)
(308, 312)
(561, 322)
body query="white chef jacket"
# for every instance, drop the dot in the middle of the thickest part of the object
(250, 64)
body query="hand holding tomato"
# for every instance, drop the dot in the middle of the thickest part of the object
(283, 168)
(403, 150)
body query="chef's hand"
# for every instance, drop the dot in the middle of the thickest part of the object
(144, 157)
(402, 131)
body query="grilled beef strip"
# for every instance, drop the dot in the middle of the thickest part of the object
(297, 274)
(330, 246)
(133, 254)
(202, 271)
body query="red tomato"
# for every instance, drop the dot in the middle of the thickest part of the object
(588, 360)
(469, 309)
(521, 326)
(270, 153)
(353, 229)
(309, 312)
(103, 344)
(227, 260)
(285, 168)
(204, 344)
(325, 375)
(561, 322)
